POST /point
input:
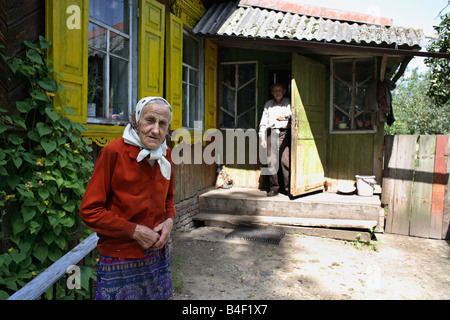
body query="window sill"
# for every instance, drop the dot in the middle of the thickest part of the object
(106, 122)
(353, 131)
(102, 134)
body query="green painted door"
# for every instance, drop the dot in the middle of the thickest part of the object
(308, 125)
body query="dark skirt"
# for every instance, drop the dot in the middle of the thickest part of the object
(135, 279)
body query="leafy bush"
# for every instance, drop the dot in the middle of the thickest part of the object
(44, 169)
(415, 112)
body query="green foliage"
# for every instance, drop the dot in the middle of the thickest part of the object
(415, 112)
(44, 169)
(439, 88)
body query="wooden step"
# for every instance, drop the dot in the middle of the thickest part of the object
(242, 201)
(344, 229)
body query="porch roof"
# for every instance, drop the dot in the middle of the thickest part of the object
(239, 20)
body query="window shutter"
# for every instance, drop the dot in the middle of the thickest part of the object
(174, 68)
(151, 48)
(210, 84)
(67, 26)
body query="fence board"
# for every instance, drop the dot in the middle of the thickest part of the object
(36, 287)
(439, 181)
(390, 162)
(423, 188)
(403, 184)
(446, 213)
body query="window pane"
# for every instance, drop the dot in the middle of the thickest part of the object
(246, 99)
(363, 70)
(185, 105)
(237, 95)
(246, 73)
(342, 95)
(193, 107)
(193, 77)
(185, 74)
(190, 52)
(352, 78)
(227, 103)
(96, 63)
(118, 97)
(343, 69)
(228, 74)
(114, 13)
(360, 97)
(97, 37)
(119, 45)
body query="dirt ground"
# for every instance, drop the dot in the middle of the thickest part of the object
(207, 266)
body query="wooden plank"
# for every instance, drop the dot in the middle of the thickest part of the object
(348, 235)
(422, 191)
(36, 287)
(235, 220)
(333, 162)
(390, 163)
(446, 215)
(367, 153)
(377, 155)
(439, 181)
(383, 67)
(403, 184)
(343, 154)
(353, 163)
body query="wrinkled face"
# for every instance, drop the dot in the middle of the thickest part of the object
(278, 93)
(154, 124)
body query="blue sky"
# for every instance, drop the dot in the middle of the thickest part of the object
(406, 13)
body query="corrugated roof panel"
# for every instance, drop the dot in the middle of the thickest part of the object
(227, 19)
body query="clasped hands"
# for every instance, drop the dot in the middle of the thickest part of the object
(153, 239)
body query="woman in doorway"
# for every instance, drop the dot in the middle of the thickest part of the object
(129, 202)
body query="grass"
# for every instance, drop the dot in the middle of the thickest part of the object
(177, 263)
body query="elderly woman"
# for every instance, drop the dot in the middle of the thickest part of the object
(129, 202)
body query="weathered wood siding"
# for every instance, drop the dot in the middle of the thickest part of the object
(20, 20)
(190, 179)
(353, 154)
(416, 186)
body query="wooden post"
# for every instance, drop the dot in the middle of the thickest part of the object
(390, 162)
(446, 214)
(423, 188)
(403, 184)
(438, 193)
(383, 67)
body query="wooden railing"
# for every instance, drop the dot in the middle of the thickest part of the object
(36, 287)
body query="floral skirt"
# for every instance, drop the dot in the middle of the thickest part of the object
(135, 279)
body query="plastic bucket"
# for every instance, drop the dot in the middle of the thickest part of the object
(365, 185)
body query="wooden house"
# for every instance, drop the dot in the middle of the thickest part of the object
(197, 54)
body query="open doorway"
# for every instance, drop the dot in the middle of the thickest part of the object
(280, 76)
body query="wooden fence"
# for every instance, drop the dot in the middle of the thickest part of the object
(416, 187)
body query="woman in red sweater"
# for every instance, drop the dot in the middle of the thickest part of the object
(129, 203)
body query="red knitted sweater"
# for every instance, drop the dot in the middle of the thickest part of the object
(122, 193)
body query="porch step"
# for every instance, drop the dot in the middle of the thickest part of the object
(254, 202)
(344, 229)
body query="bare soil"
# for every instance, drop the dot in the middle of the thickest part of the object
(207, 266)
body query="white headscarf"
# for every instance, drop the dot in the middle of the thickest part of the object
(131, 136)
